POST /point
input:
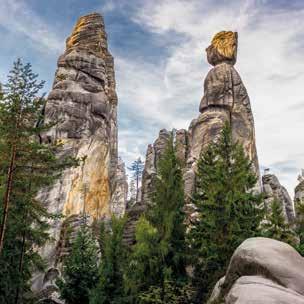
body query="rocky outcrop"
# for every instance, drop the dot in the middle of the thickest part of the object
(299, 190)
(262, 271)
(225, 100)
(273, 190)
(153, 154)
(83, 102)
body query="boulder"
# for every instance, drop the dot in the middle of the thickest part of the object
(262, 270)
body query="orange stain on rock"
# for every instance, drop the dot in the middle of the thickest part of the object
(90, 188)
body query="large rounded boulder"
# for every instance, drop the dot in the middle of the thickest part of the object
(262, 271)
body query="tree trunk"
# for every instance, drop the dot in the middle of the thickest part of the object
(20, 268)
(7, 195)
(137, 182)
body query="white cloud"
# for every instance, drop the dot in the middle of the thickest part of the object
(270, 63)
(17, 17)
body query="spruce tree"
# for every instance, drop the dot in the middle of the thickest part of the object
(145, 261)
(276, 227)
(26, 165)
(228, 210)
(159, 254)
(137, 169)
(80, 269)
(110, 287)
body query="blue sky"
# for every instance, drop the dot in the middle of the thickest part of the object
(160, 63)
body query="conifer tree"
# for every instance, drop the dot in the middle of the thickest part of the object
(110, 287)
(159, 254)
(137, 169)
(228, 210)
(26, 165)
(276, 227)
(144, 268)
(80, 269)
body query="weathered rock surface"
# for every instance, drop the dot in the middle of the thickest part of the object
(225, 100)
(299, 190)
(153, 154)
(262, 271)
(274, 190)
(84, 103)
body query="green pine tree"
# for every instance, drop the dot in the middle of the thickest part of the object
(137, 168)
(145, 261)
(110, 288)
(80, 269)
(159, 254)
(171, 293)
(276, 227)
(228, 210)
(26, 166)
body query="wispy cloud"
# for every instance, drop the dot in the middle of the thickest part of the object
(161, 84)
(17, 17)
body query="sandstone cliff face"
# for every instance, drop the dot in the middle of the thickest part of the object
(84, 103)
(225, 100)
(262, 271)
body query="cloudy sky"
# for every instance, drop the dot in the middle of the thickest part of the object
(160, 63)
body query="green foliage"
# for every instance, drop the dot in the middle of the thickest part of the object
(34, 166)
(275, 226)
(110, 288)
(144, 266)
(80, 269)
(159, 254)
(169, 294)
(300, 226)
(228, 210)
(136, 168)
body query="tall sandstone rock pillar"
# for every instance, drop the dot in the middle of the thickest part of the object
(225, 100)
(84, 103)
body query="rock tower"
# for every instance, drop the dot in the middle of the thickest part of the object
(83, 102)
(273, 190)
(225, 100)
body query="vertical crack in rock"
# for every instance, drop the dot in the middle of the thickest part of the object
(83, 101)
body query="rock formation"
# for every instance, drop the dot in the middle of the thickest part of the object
(274, 190)
(153, 154)
(83, 102)
(299, 190)
(225, 99)
(262, 271)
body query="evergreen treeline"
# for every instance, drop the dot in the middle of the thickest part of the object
(26, 165)
(169, 263)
